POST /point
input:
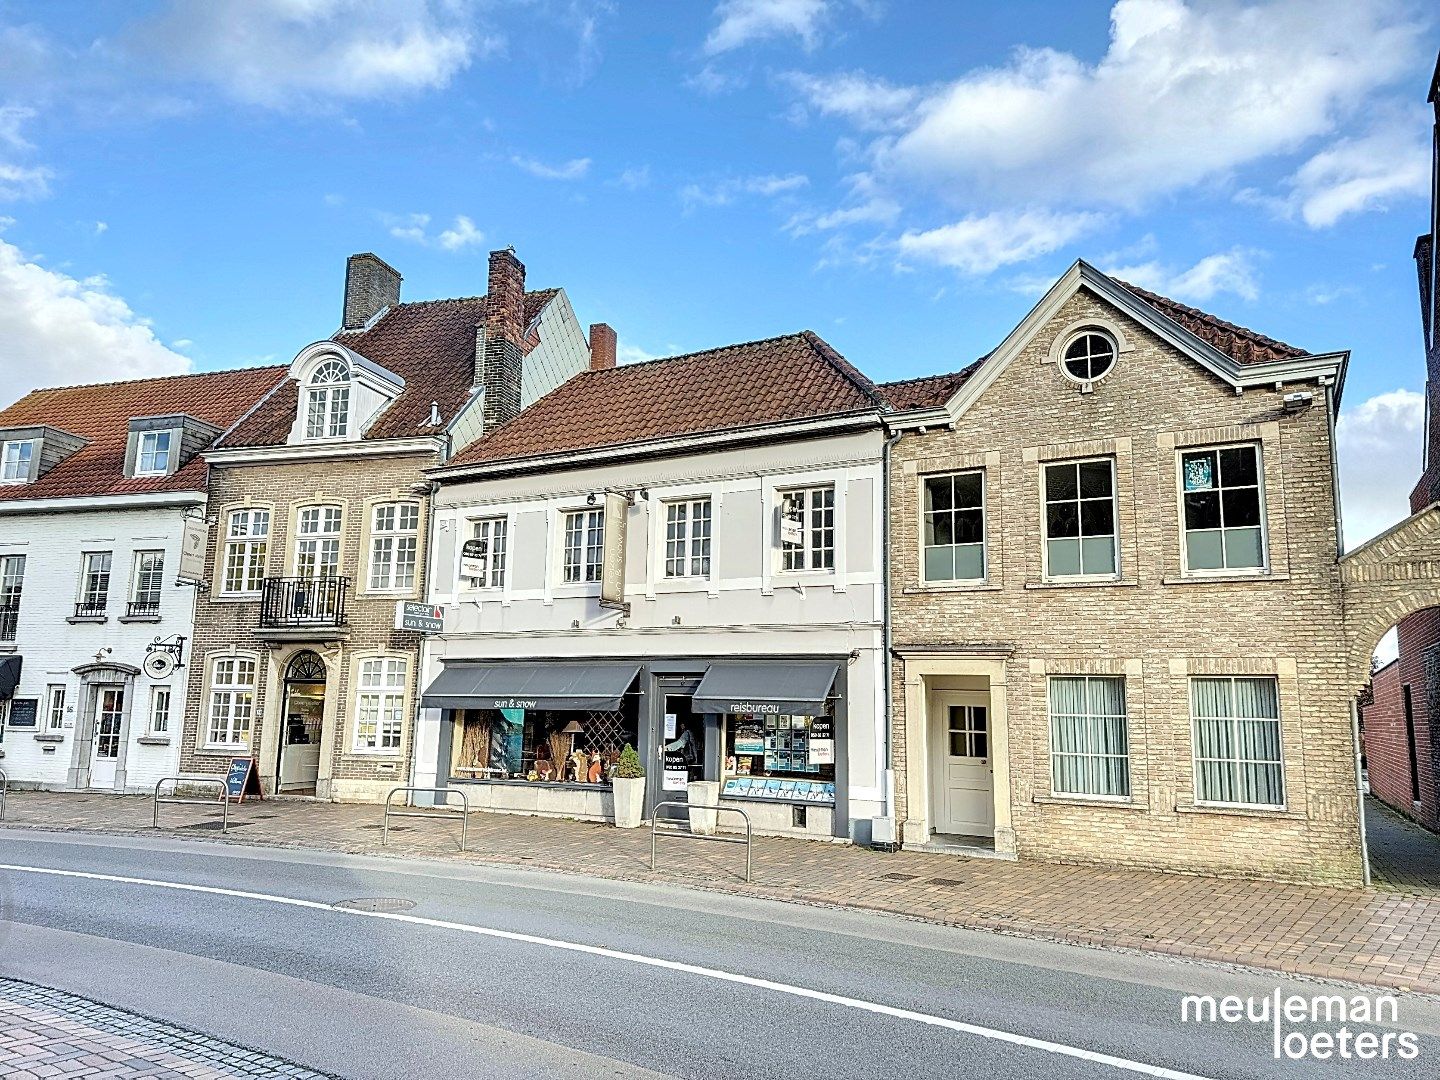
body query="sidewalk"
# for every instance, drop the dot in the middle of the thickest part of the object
(1382, 938)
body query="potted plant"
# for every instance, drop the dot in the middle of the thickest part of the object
(629, 785)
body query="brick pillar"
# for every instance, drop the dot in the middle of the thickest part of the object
(499, 352)
(602, 346)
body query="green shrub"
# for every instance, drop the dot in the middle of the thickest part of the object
(629, 766)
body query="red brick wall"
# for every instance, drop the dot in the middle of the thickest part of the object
(1383, 724)
(1386, 749)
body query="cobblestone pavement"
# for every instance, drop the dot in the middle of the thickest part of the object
(1404, 856)
(49, 1034)
(1378, 937)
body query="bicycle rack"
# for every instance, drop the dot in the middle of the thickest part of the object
(177, 800)
(655, 831)
(464, 811)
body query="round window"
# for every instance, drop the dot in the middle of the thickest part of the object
(1089, 356)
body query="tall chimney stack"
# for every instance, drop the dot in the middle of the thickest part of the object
(371, 285)
(602, 346)
(499, 350)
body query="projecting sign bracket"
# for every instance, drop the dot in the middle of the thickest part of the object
(174, 645)
(622, 607)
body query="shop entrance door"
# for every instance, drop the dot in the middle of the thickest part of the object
(302, 725)
(105, 750)
(679, 743)
(962, 771)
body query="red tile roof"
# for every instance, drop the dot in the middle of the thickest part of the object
(428, 343)
(795, 377)
(1240, 344)
(101, 414)
(928, 391)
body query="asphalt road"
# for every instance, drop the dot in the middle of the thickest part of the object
(511, 973)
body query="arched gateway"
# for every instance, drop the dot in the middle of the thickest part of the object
(1394, 575)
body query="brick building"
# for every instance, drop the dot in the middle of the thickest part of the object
(1116, 610)
(319, 510)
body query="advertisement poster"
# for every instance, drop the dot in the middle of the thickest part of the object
(749, 737)
(677, 773)
(670, 725)
(822, 741)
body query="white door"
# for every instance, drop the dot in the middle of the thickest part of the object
(962, 773)
(105, 750)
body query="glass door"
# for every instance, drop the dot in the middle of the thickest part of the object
(105, 752)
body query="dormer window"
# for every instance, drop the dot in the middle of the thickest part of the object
(154, 456)
(327, 411)
(15, 458)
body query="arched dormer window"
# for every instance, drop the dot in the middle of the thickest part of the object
(327, 408)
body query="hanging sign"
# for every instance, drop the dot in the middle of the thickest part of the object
(194, 538)
(420, 618)
(612, 564)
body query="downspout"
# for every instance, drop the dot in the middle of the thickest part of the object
(888, 778)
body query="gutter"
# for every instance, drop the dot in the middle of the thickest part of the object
(887, 779)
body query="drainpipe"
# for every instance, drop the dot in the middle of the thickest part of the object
(887, 780)
(1360, 790)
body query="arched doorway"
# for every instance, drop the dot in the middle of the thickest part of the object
(302, 723)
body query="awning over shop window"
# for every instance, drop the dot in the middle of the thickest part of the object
(577, 686)
(798, 689)
(9, 677)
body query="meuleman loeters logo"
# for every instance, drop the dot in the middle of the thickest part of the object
(1344, 1024)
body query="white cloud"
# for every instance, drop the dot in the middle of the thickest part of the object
(276, 53)
(58, 330)
(12, 117)
(24, 181)
(869, 103)
(462, 234)
(740, 22)
(101, 227)
(1359, 174)
(1379, 444)
(712, 82)
(1230, 271)
(633, 178)
(980, 243)
(727, 191)
(415, 228)
(574, 169)
(632, 354)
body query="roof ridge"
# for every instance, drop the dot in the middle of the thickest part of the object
(151, 379)
(847, 370)
(455, 300)
(692, 355)
(1225, 324)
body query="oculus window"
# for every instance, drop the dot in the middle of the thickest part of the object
(1089, 356)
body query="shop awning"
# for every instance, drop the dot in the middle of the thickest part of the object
(9, 677)
(798, 689)
(579, 686)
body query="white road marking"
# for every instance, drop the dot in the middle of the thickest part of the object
(650, 961)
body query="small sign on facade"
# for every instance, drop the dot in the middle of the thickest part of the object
(194, 538)
(419, 618)
(24, 711)
(671, 722)
(612, 565)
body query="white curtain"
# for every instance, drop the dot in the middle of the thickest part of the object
(1237, 741)
(1088, 738)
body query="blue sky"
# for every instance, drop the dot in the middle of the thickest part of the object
(181, 182)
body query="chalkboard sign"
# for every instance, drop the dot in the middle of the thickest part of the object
(241, 779)
(24, 711)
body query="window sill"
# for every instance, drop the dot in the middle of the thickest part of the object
(951, 587)
(381, 755)
(235, 598)
(1226, 810)
(76, 619)
(138, 619)
(222, 750)
(386, 594)
(1089, 801)
(49, 737)
(1220, 579)
(1084, 583)
(154, 740)
(8, 647)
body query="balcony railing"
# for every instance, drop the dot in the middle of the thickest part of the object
(9, 618)
(299, 602)
(139, 609)
(90, 609)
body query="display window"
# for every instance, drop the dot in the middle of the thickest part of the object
(542, 746)
(782, 757)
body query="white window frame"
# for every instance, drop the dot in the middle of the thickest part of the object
(984, 508)
(158, 720)
(1045, 537)
(1195, 758)
(91, 572)
(235, 694)
(589, 560)
(1224, 571)
(808, 548)
(12, 589)
(380, 687)
(315, 544)
(681, 547)
(55, 707)
(1084, 332)
(1056, 753)
(251, 547)
(138, 573)
(496, 528)
(327, 402)
(148, 446)
(16, 457)
(392, 539)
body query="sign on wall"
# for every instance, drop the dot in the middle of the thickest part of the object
(419, 618)
(475, 560)
(612, 566)
(24, 711)
(193, 540)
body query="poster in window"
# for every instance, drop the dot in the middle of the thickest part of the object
(671, 722)
(676, 775)
(1199, 473)
(792, 528)
(475, 559)
(750, 736)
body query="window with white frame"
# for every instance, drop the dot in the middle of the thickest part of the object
(1089, 743)
(154, 456)
(160, 710)
(247, 534)
(954, 527)
(12, 584)
(1237, 741)
(327, 402)
(1224, 508)
(94, 583)
(148, 581)
(687, 538)
(394, 540)
(317, 542)
(380, 704)
(584, 545)
(232, 701)
(15, 458)
(807, 528)
(484, 568)
(1080, 533)
(55, 706)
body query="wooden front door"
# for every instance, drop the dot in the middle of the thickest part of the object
(962, 771)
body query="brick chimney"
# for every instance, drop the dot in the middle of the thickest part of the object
(499, 348)
(602, 346)
(371, 285)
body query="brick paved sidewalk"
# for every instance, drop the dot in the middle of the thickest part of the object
(50, 1034)
(1367, 936)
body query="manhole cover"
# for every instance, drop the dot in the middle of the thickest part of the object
(898, 877)
(946, 881)
(389, 904)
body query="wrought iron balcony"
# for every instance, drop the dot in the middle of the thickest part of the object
(139, 609)
(93, 608)
(299, 602)
(9, 618)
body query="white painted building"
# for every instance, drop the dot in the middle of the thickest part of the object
(97, 484)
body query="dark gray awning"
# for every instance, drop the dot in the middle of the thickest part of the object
(799, 689)
(9, 677)
(578, 686)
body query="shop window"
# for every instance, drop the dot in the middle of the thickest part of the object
(232, 701)
(543, 746)
(807, 528)
(1224, 509)
(788, 758)
(954, 537)
(380, 705)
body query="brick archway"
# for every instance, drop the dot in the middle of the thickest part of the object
(1394, 575)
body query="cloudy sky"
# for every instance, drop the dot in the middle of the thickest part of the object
(180, 182)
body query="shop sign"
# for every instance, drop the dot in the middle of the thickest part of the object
(612, 562)
(822, 741)
(475, 559)
(24, 711)
(194, 538)
(676, 774)
(419, 618)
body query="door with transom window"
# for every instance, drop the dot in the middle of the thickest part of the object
(105, 747)
(962, 769)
